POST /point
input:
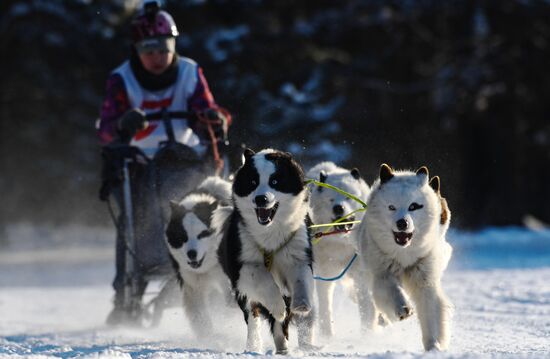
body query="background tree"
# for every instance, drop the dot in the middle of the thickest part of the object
(460, 86)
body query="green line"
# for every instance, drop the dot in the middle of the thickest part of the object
(349, 215)
(340, 220)
(317, 183)
(332, 224)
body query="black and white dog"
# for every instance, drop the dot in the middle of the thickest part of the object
(266, 249)
(193, 244)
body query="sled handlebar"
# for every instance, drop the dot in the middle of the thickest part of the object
(125, 150)
(172, 115)
(167, 117)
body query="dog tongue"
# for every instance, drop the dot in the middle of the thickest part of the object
(401, 237)
(263, 214)
(344, 227)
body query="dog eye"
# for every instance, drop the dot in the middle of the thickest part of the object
(273, 182)
(391, 207)
(414, 206)
(253, 182)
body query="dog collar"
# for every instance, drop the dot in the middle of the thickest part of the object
(268, 255)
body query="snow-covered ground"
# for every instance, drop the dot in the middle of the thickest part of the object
(55, 294)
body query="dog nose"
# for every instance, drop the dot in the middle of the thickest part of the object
(338, 210)
(261, 201)
(402, 224)
(192, 254)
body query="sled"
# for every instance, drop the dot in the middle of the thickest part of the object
(146, 256)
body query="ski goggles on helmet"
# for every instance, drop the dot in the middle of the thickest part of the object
(165, 44)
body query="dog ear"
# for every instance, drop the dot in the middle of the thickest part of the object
(355, 173)
(445, 212)
(203, 211)
(213, 206)
(176, 209)
(248, 153)
(423, 175)
(323, 176)
(435, 183)
(423, 171)
(386, 173)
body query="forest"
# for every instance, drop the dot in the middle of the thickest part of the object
(460, 86)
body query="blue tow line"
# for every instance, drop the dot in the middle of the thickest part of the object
(341, 274)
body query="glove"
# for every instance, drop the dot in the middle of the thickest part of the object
(132, 121)
(220, 129)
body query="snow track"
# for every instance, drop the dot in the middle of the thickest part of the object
(55, 295)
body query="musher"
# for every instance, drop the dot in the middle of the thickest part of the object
(155, 78)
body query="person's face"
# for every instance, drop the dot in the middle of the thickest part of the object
(156, 61)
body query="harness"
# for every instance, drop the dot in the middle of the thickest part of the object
(268, 255)
(319, 235)
(339, 275)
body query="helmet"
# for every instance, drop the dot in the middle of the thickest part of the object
(153, 22)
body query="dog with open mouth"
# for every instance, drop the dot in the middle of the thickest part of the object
(403, 246)
(333, 252)
(266, 247)
(193, 243)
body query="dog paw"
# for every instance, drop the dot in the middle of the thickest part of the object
(302, 309)
(434, 346)
(282, 351)
(404, 312)
(308, 347)
(383, 321)
(300, 306)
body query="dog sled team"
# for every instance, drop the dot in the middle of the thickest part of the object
(253, 239)
(269, 241)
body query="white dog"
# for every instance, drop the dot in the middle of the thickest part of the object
(402, 239)
(333, 252)
(266, 250)
(193, 244)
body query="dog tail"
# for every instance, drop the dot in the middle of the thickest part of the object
(219, 188)
(220, 219)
